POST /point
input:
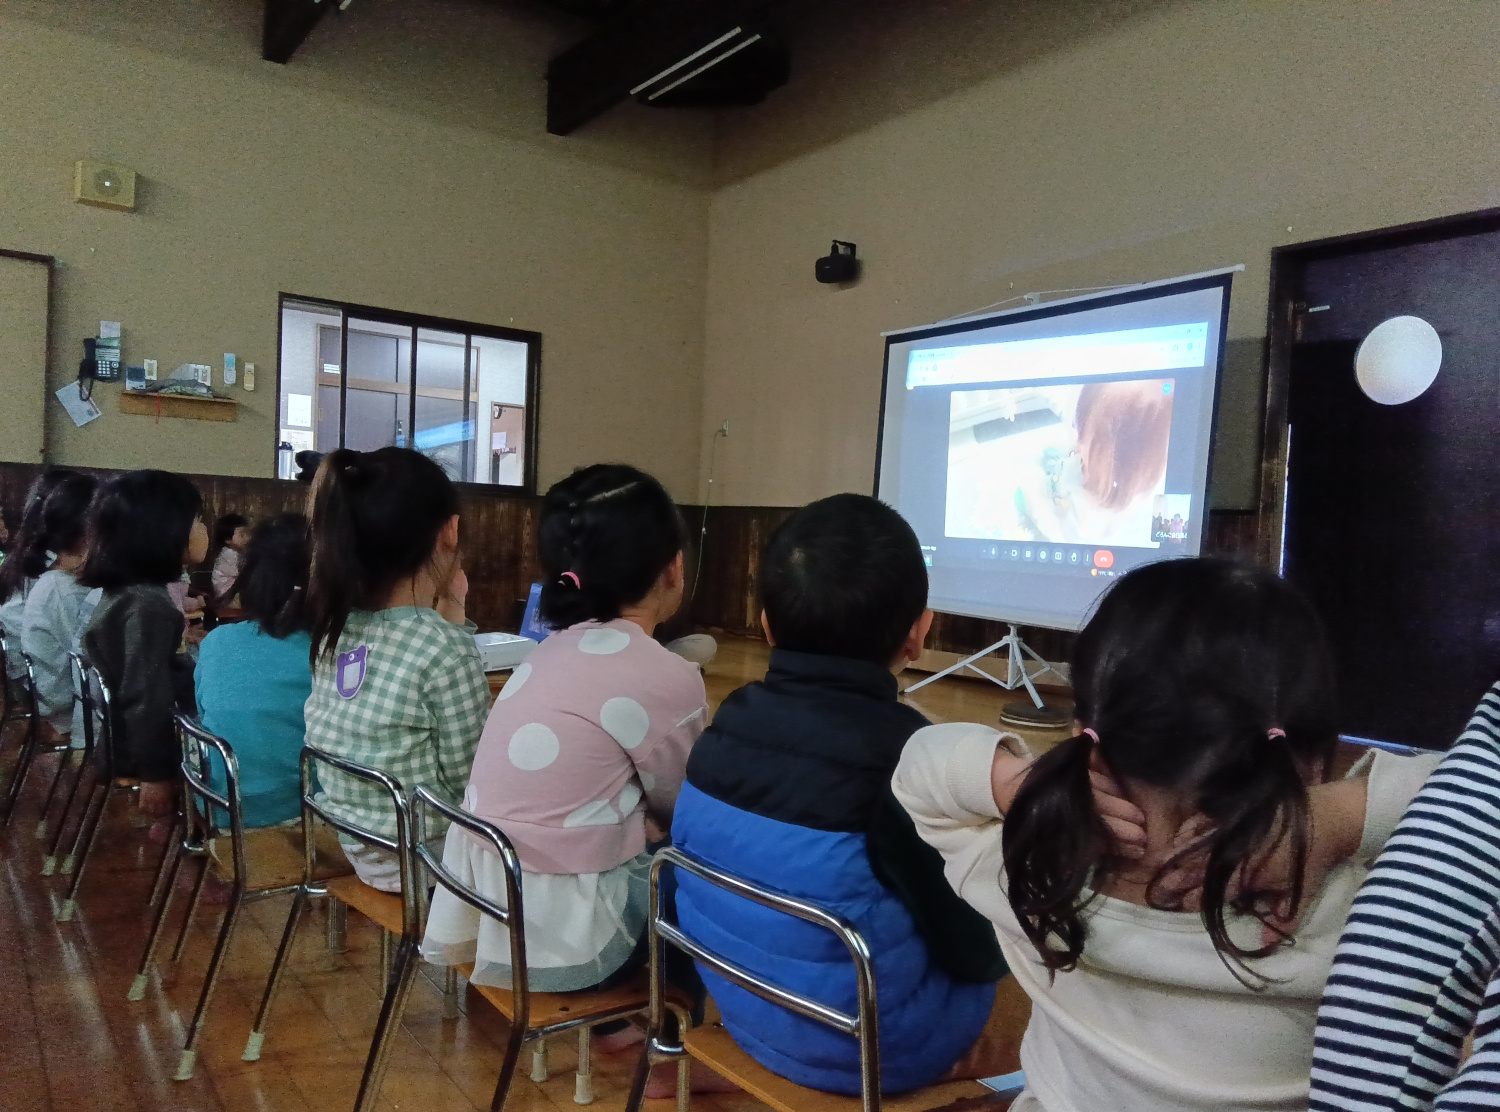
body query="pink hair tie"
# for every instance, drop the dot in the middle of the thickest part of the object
(1275, 731)
(574, 577)
(1088, 731)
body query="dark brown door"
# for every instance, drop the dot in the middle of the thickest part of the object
(1392, 518)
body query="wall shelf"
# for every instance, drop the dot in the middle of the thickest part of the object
(177, 405)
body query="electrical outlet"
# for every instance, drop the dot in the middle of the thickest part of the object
(724, 429)
(250, 376)
(150, 365)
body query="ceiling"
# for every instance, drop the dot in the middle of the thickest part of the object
(662, 53)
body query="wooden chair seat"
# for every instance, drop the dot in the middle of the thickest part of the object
(381, 908)
(550, 1008)
(273, 855)
(715, 1047)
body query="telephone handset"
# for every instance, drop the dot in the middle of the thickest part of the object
(88, 368)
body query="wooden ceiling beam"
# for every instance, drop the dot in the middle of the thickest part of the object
(287, 25)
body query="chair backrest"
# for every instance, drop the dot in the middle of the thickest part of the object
(207, 805)
(78, 668)
(512, 916)
(863, 1025)
(98, 711)
(401, 845)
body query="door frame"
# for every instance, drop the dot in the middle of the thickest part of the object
(50, 262)
(1284, 313)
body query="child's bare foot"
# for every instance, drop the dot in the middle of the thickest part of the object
(619, 1040)
(663, 1081)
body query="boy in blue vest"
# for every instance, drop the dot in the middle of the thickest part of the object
(790, 789)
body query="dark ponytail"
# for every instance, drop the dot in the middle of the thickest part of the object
(272, 584)
(1051, 841)
(1200, 676)
(607, 533)
(13, 573)
(65, 521)
(375, 519)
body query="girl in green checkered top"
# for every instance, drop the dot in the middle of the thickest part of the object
(397, 683)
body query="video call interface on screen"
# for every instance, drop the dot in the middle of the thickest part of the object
(1041, 455)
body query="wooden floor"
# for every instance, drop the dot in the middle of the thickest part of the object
(741, 660)
(70, 1041)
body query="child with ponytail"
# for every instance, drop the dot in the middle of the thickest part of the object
(585, 748)
(584, 752)
(1187, 977)
(54, 618)
(397, 683)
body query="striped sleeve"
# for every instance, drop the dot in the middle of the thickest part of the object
(1415, 970)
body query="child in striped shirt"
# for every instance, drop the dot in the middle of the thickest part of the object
(397, 682)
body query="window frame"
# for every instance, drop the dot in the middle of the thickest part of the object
(418, 321)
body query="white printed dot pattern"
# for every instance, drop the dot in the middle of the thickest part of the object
(604, 642)
(597, 813)
(533, 747)
(630, 795)
(625, 720)
(517, 680)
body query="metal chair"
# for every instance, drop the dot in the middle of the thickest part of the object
(97, 799)
(261, 863)
(713, 1045)
(33, 737)
(403, 969)
(78, 668)
(533, 1016)
(12, 708)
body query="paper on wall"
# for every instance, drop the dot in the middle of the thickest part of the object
(81, 409)
(299, 410)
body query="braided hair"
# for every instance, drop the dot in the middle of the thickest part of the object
(607, 533)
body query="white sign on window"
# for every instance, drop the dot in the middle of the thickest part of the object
(299, 410)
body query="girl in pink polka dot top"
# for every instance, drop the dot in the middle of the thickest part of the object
(584, 752)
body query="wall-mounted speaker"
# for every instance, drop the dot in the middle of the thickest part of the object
(839, 265)
(97, 183)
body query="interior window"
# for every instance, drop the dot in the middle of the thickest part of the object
(462, 394)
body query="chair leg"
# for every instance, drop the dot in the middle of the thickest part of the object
(385, 957)
(583, 1080)
(192, 908)
(278, 967)
(70, 861)
(64, 760)
(88, 834)
(171, 852)
(338, 925)
(653, 1053)
(450, 993)
(513, 1047)
(391, 1010)
(49, 865)
(23, 767)
(138, 986)
(684, 1062)
(226, 931)
(539, 1071)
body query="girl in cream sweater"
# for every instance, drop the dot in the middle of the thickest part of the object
(1206, 690)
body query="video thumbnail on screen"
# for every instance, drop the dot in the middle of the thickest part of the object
(1072, 464)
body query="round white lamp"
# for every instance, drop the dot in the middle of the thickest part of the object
(1398, 360)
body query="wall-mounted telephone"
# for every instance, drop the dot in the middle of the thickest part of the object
(100, 362)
